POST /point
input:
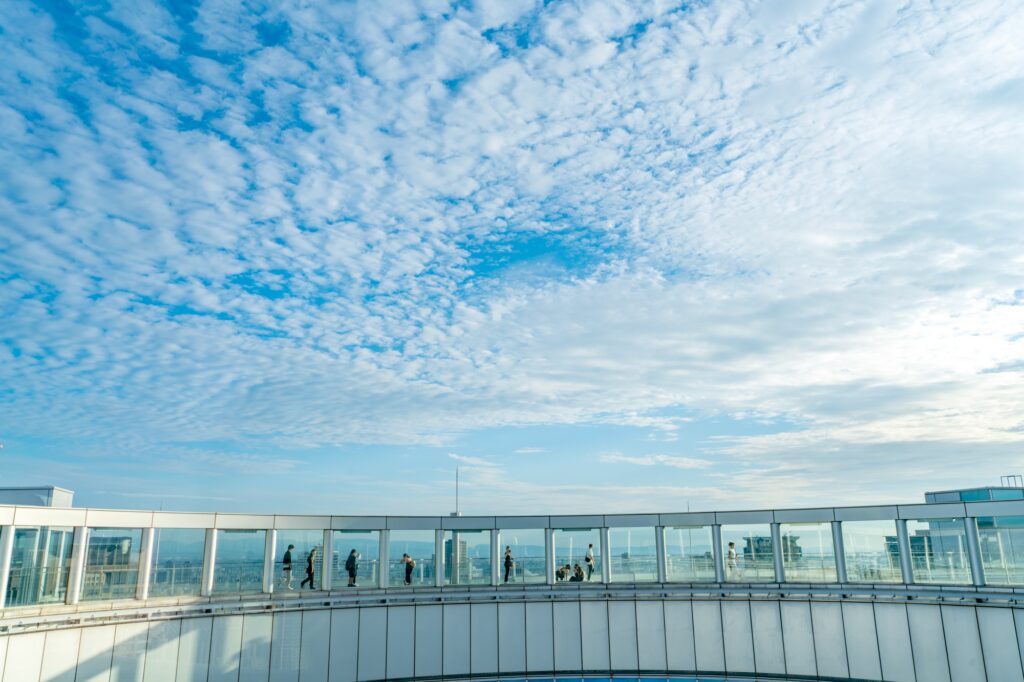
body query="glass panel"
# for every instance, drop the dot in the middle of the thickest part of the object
(872, 552)
(411, 558)
(363, 547)
(748, 553)
(975, 496)
(39, 566)
(808, 554)
(239, 566)
(467, 557)
(177, 561)
(298, 551)
(689, 554)
(1007, 494)
(524, 548)
(634, 555)
(938, 550)
(1002, 549)
(112, 563)
(577, 554)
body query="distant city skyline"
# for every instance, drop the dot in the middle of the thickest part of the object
(605, 257)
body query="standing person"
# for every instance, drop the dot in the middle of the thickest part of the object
(508, 561)
(410, 564)
(731, 563)
(310, 563)
(286, 568)
(352, 566)
(589, 560)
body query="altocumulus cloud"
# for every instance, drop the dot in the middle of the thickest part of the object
(347, 223)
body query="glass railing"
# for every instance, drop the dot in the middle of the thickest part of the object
(240, 577)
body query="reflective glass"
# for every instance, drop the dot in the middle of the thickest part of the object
(748, 553)
(689, 554)
(872, 552)
(467, 557)
(416, 568)
(112, 563)
(39, 566)
(1002, 549)
(292, 559)
(633, 555)
(808, 554)
(577, 547)
(938, 551)
(525, 548)
(239, 565)
(177, 561)
(363, 546)
(1007, 494)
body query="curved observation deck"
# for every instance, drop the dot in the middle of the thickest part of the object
(908, 592)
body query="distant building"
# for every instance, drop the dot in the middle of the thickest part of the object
(46, 496)
(984, 494)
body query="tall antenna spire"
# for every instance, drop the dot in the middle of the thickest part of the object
(457, 490)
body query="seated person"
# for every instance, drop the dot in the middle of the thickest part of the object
(577, 574)
(560, 574)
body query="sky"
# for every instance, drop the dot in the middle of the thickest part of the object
(310, 257)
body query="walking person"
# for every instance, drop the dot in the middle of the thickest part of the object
(286, 568)
(410, 564)
(310, 564)
(352, 566)
(731, 563)
(509, 561)
(589, 560)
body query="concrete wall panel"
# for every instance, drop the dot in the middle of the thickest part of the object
(225, 647)
(539, 636)
(285, 646)
(24, 657)
(402, 641)
(162, 651)
(455, 644)
(930, 660)
(707, 636)
(680, 652)
(428, 641)
(963, 643)
(650, 635)
(568, 642)
(999, 641)
(622, 635)
(59, 655)
(373, 633)
(861, 641)
(511, 637)
(594, 631)
(483, 654)
(739, 639)
(342, 665)
(95, 652)
(798, 638)
(314, 654)
(193, 650)
(254, 661)
(894, 650)
(766, 620)
(129, 659)
(829, 639)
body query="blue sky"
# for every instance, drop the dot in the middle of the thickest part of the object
(604, 256)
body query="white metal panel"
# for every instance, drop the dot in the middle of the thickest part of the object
(797, 638)
(511, 638)
(344, 645)
(467, 522)
(1000, 508)
(763, 516)
(254, 660)
(622, 635)
(539, 637)
(285, 644)
(95, 651)
(650, 635)
(680, 653)
(455, 645)
(162, 651)
(129, 658)
(245, 521)
(521, 522)
(359, 522)
(568, 654)
(569, 522)
(193, 650)
(932, 511)
(999, 641)
(963, 643)
(225, 649)
(401, 641)
(428, 641)
(861, 641)
(866, 513)
(6, 519)
(316, 644)
(929, 643)
(414, 522)
(631, 521)
(183, 520)
(102, 518)
(707, 636)
(373, 637)
(60, 653)
(766, 621)
(483, 657)
(43, 516)
(739, 639)
(687, 519)
(3, 655)
(804, 515)
(24, 657)
(829, 639)
(594, 630)
(894, 650)
(289, 522)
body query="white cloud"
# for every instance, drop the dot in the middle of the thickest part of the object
(674, 461)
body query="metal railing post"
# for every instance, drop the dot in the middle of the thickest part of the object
(716, 546)
(496, 558)
(145, 564)
(659, 543)
(974, 551)
(327, 564)
(606, 555)
(269, 551)
(549, 555)
(6, 553)
(76, 574)
(780, 567)
(906, 562)
(839, 551)
(383, 558)
(209, 562)
(439, 557)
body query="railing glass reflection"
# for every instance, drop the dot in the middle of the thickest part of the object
(177, 562)
(112, 563)
(938, 551)
(39, 566)
(808, 553)
(577, 548)
(747, 551)
(239, 565)
(872, 552)
(292, 555)
(526, 550)
(417, 570)
(689, 554)
(1002, 549)
(467, 557)
(358, 550)
(634, 555)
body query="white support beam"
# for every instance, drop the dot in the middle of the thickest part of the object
(606, 555)
(383, 559)
(659, 542)
(780, 568)
(6, 552)
(209, 562)
(145, 565)
(327, 561)
(269, 550)
(549, 555)
(974, 552)
(716, 546)
(906, 561)
(438, 558)
(76, 574)
(497, 557)
(840, 551)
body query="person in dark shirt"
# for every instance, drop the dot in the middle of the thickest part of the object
(352, 566)
(310, 568)
(286, 568)
(509, 561)
(410, 564)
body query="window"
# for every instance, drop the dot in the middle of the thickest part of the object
(40, 565)
(872, 552)
(571, 547)
(177, 561)
(366, 544)
(750, 559)
(467, 557)
(418, 545)
(1002, 549)
(633, 555)
(296, 546)
(938, 551)
(808, 554)
(526, 546)
(112, 563)
(689, 554)
(239, 566)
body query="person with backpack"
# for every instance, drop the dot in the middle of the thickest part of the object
(352, 566)
(509, 561)
(310, 567)
(286, 568)
(410, 564)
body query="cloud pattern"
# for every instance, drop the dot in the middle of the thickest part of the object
(289, 226)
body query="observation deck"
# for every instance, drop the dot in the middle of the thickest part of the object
(919, 592)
